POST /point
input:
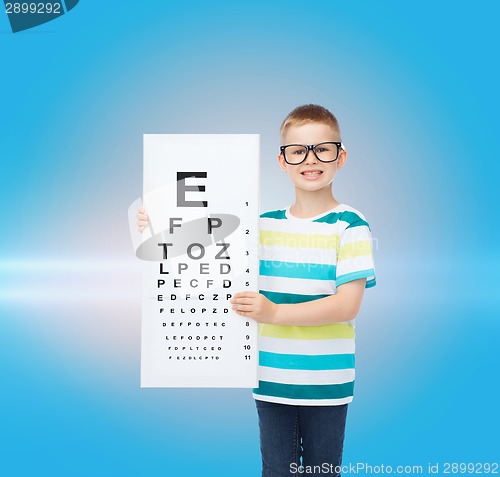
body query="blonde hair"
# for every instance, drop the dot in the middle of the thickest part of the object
(309, 113)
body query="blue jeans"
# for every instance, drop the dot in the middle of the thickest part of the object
(289, 433)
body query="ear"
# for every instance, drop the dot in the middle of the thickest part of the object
(281, 162)
(342, 158)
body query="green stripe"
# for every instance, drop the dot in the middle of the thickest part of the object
(281, 298)
(313, 271)
(274, 214)
(322, 332)
(304, 361)
(305, 391)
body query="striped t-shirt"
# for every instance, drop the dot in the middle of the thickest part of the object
(303, 260)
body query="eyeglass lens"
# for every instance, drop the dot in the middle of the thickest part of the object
(295, 154)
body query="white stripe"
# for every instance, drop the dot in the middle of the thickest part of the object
(291, 346)
(301, 286)
(352, 209)
(355, 264)
(299, 376)
(303, 402)
(287, 226)
(356, 234)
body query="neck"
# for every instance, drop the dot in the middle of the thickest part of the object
(311, 203)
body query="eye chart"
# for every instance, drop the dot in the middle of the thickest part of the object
(201, 196)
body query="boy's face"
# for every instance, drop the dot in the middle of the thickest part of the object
(312, 174)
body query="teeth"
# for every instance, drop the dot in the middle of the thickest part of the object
(316, 173)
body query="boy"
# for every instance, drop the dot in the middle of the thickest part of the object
(316, 259)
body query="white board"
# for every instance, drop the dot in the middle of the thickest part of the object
(201, 195)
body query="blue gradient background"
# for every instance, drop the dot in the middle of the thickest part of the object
(414, 86)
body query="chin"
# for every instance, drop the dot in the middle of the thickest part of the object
(312, 187)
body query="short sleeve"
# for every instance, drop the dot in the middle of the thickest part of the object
(355, 253)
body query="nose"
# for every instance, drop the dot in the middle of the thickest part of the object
(310, 157)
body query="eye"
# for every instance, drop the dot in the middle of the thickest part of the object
(295, 151)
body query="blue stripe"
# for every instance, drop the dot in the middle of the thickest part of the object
(274, 214)
(358, 223)
(303, 361)
(353, 219)
(283, 298)
(314, 271)
(348, 277)
(330, 218)
(305, 391)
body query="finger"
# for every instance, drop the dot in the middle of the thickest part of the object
(242, 307)
(242, 313)
(243, 301)
(141, 225)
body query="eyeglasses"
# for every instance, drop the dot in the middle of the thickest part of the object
(295, 154)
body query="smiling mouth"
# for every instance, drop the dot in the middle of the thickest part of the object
(312, 173)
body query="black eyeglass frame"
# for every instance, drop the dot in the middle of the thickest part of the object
(312, 147)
